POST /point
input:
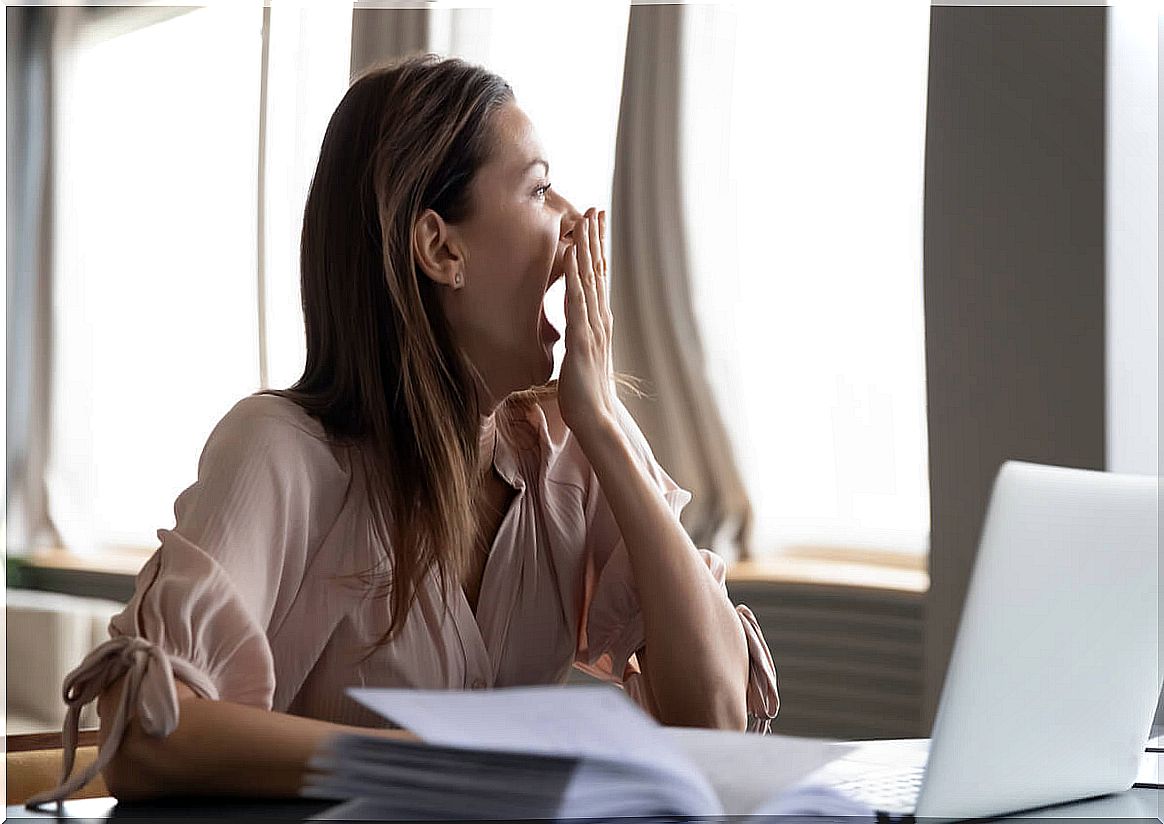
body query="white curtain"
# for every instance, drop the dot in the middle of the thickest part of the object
(28, 318)
(164, 311)
(805, 183)
(656, 334)
(309, 52)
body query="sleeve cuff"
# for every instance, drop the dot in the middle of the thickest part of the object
(624, 645)
(763, 700)
(149, 687)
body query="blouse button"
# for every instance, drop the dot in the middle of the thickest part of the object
(478, 684)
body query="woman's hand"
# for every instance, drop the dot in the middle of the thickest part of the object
(586, 394)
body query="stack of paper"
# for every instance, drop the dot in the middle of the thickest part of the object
(560, 752)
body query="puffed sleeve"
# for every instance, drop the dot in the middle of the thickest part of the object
(611, 629)
(205, 600)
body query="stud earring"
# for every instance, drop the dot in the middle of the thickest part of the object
(458, 280)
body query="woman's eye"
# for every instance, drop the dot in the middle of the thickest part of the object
(541, 190)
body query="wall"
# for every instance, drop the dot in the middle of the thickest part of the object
(1014, 255)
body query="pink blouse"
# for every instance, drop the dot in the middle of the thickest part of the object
(246, 600)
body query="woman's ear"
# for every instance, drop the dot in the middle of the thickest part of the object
(435, 250)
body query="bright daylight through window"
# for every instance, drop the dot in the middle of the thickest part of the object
(803, 193)
(804, 196)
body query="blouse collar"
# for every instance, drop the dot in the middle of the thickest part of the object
(492, 439)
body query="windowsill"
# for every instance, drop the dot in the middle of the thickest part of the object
(127, 561)
(868, 569)
(828, 566)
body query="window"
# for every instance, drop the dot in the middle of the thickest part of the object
(179, 199)
(154, 288)
(165, 313)
(804, 188)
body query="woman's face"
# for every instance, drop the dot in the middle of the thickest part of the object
(510, 251)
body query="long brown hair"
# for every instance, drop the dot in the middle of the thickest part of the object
(383, 373)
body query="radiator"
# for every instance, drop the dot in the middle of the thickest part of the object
(849, 659)
(48, 634)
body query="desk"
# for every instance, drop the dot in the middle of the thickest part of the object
(1136, 804)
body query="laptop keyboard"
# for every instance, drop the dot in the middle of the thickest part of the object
(893, 791)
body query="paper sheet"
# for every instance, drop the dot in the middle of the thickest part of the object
(743, 770)
(746, 770)
(602, 721)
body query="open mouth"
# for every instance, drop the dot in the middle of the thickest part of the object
(556, 273)
(549, 308)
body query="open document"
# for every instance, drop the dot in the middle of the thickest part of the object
(561, 752)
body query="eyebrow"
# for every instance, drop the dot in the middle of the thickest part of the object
(536, 162)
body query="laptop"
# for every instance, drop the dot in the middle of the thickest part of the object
(1054, 677)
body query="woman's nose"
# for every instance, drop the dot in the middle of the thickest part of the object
(569, 219)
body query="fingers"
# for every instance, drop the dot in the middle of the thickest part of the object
(576, 316)
(596, 247)
(602, 282)
(587, 301)
(602, 238)
(582, 246)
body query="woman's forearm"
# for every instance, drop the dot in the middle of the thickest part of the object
(218, 748)
(698, 666)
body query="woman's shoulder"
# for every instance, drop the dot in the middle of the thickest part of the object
(274, 410)
(278, 428)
